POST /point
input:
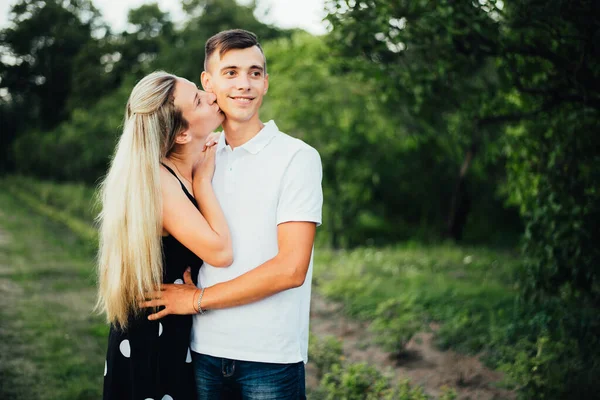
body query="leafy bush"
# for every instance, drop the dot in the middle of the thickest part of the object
(324, 353)
(352, 382)
(554, 176)
(363, 382)
(404, 391)
(395, 324)
(448, 393)
(78, 149)
(542, 368)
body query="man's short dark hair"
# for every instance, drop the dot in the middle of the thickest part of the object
(230, 40)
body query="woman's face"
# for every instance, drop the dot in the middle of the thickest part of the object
(199, 108)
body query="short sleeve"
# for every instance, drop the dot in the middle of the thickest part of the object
(301, 196)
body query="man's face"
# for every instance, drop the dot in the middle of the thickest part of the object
(239, 81)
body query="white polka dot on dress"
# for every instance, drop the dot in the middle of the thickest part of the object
(188, 358)
(166, 397)
(125, 348)
(179, 281)
(160, 329)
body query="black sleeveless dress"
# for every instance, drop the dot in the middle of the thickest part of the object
(152, 359)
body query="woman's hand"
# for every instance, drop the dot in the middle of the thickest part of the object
(212, 140)
(179, 299)
(204, 168)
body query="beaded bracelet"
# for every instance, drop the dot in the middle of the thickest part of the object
(200, 310)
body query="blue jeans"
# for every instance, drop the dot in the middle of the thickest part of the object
(223, 379)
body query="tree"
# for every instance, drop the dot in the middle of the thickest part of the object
(526, 76)
(185, 57)
(311, 102)
(40, 49)
(38, 63)
(470, 67)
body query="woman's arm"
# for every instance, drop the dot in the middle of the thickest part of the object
(206, 232)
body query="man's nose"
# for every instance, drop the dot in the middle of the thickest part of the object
(243, 82)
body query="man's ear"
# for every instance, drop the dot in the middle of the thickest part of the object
(266, 84)
(205, 79)
(183, 137)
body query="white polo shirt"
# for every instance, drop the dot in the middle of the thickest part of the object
(271, 179)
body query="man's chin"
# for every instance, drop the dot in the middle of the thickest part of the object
(238, 117)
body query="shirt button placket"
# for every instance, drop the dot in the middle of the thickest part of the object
(229, 180)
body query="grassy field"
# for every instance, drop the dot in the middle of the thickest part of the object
(468, 292)
(52, 345)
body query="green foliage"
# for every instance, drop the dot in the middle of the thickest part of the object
(308, 100)
(75, 199)
(44, 41)
(558, 195)
(554, 175)
(404, 391)
(184, 55)
(542, 368)
(381, 182)
(59, 204)
(363, 382)
(550, 349)
(353, 382)
(79, 149)
(448, 394)
(395, 323)
(324, 353)
(509, 63)
(469, 293)
(47, 352)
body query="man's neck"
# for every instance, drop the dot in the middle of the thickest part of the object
(238, 133)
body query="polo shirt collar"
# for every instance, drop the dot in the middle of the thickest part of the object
(258, 142)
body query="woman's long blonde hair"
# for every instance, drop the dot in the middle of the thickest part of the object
(130, 254)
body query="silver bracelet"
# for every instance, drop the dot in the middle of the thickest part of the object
(200, 310)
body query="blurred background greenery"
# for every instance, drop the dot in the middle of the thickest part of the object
(445, 128)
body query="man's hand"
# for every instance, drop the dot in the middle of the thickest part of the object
(177, 299)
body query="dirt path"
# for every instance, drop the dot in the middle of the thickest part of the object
(427, 366)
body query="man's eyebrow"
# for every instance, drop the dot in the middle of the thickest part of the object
(259, 67)
(229, 67)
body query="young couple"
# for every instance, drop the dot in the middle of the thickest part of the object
(218, 226)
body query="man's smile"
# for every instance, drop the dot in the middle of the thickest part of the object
(242, 99)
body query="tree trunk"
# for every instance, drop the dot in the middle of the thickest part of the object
(461, 202)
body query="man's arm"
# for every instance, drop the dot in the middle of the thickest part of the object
(286, 270)
(298, 213)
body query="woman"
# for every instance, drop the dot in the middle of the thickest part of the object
(151, 230)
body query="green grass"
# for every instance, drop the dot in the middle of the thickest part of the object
(74, 199)
(469, 292)
(52, 346)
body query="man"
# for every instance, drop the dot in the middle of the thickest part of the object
(253, 340)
